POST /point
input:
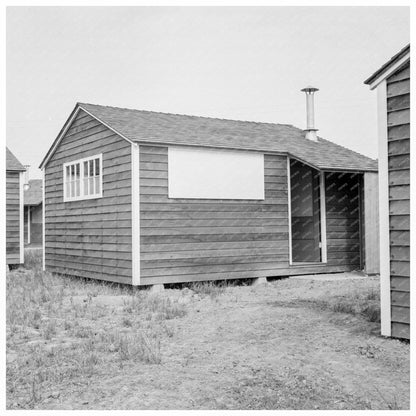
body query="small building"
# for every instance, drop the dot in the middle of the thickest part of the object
(33, 197)
(149, 198)
(392, 82)
(14, 210)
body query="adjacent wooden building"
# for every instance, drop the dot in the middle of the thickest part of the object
(14, 210)
(33, 214)
(150, 198)
(392, 82)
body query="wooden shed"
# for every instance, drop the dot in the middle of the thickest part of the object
(392, 82)
(33, 197)
(14, 210)
(148, 198)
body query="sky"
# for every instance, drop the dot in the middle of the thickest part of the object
(244, 63)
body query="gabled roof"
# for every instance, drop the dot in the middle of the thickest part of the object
(395, 62)
(33, 195)
(175, 129)
(12, 163)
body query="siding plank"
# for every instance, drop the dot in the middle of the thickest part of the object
(12, 218)
(194, 239)
(90, 238)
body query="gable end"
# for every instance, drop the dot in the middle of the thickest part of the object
(67, 126)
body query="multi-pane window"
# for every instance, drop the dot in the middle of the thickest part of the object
(83, 179)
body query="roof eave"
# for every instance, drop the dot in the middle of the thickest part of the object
(389, 67)
(31, 204)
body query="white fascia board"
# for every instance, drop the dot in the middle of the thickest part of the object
(385, 304)
(384, 75)
(135, 211)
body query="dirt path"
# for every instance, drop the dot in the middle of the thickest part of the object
(257, 348)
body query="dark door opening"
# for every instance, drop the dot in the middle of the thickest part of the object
(305, 213)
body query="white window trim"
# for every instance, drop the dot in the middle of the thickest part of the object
(81, 162)
(323, 242)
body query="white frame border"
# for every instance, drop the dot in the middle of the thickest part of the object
(81, 162)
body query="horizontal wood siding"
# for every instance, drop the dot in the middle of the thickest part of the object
(90, 238)
(398, 122)
(12, 218)
(343, 219)
(205, 239)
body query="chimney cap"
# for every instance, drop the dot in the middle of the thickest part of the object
(309, 89)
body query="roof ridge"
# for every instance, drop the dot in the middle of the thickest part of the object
(190, 130)
(193, 115)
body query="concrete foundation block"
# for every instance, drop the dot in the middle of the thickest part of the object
(157, 288)
(259, 281)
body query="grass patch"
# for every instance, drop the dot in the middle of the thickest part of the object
(154, 306)
(211, 289)
(63, 330)
(83, 344)
(364, 302)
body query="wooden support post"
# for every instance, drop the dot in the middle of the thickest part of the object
(28, 224)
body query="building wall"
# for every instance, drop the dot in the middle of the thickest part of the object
(35, 224)
(206, 239)
(90, 238)
(12, 217)
(398, 125)
(342, 198)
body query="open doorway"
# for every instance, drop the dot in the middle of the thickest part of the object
(306, 208)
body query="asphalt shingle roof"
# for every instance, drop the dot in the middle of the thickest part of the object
(154, 127)
(33, 196)
(12, 163)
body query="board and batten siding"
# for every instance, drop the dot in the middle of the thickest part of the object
(398, 134)
(13, 218)
(209, 239)
(90, 238)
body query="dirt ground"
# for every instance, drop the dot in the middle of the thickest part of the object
(270, 346)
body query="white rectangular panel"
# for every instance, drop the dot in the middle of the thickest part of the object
(215, 174)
